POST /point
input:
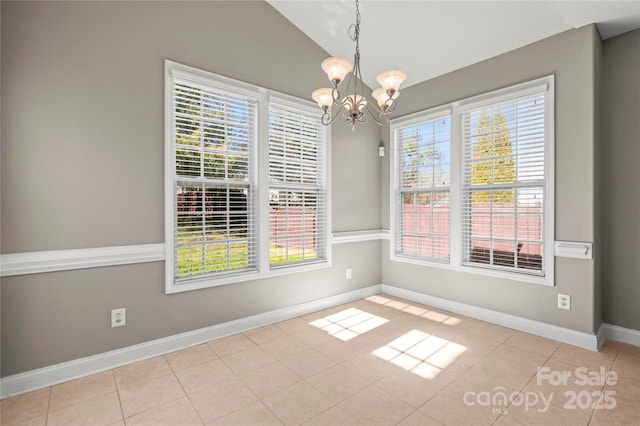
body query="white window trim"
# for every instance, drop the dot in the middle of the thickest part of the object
(456, 109)
(413, 119)
(264, 96)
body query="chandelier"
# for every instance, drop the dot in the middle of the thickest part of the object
(353, 107)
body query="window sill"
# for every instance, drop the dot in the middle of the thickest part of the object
(513, 276)
(244, 277)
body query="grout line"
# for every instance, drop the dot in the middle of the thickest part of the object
(113, 373)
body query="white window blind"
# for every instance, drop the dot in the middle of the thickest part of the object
(214, 216)
(503, 185)
(297, 186)
(424, 169)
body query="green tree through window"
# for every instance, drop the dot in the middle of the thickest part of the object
(492, 158)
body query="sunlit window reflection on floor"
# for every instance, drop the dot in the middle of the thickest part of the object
(347, 324)
(421, 353)
(415, 310)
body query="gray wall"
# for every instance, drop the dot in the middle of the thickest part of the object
(621, 180)
(82, 167)
(571, 57)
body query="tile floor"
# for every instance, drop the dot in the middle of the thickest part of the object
(377, 361)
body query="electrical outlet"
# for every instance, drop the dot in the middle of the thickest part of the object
(348, 273)
(564, 302)
(118, 318)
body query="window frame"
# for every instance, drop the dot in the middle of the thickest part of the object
(260, 182)
(431, 115)
(320, 186)
(544, 85)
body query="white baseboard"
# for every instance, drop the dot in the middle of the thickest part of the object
(561, 334)
(621, 334)
(47, 376)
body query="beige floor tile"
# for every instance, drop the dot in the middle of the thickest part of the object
(506, 421)
(203, 375)
(26, 406)
(307, 363)
(413, 389)
(376, 309)
(79, 390)
(298, 403)
(627, 409)
(178, 412)
(255, 414)
(269, 379)
(262, 335)
(477, 380)
(294, 325)
(245, 361)
(627, 353)
(189, 357)
(293, 372)
(100, 411)
(492, 332)
(548, 382)
(340, 351)
(370, 368)
(34, 421)
(627, 370)
(230, 345)
(515, 366)
(284, 347)
(592, 360)
(418, 418)
(552, 415)
(449, 407)
(371, 406)
(137, 397)
(627, 362)
(334, 416)
(142, 371)
(217, 401)
(530, 343)
(338, 382)
(313, 336)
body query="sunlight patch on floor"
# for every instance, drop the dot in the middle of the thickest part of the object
(350, 323)
(415, 310)
(421, 353)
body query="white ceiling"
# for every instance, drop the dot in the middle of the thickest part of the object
(431, 38)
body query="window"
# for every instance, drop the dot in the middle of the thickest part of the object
(473, 184)
(424, 167)
(504, 184)
(222, 138)
(296, 186)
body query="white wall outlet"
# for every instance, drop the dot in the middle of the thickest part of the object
(564, 302)
(118, 318)
(348, 273)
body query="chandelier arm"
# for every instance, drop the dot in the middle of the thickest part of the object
(326, 117)
(383, 118)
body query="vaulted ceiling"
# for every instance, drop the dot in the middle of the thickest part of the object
(431, 38)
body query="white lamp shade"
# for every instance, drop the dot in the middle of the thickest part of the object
(391, 79)
(336, 68)
(324, 97)
(381, 96)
